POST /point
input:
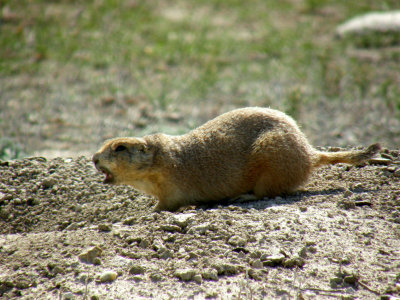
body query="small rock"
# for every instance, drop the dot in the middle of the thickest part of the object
(255, 274)
(58, 270)
(130, 221)
(351, 279)
(272, 260)
(182, 220)
(303, 208)
(165, 254)
(303, 252)
(136, 269)
(170, 228)
(210, 274)
(294, 262)
(137, 278)
(91, 255)
(5, 213)
(144, 243)
(211, 294)
(108, 276)
(380, 161)
(396, 173)
(75, 226)
(255, 254)
(237, 241)
(257, 264)
(48, 183)
(197, 278)
(200, 229)
(346, 204)
(156, 277)
(97, 261)
(22, 284)
(2, 197)
(185, 274)
(68, 296)
(335, 282)
(84, 278)
(347, 193)
(106, 227)
(226, 268)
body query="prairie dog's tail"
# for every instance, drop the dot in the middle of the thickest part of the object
(354, 157)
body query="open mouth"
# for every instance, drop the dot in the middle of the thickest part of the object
(109, 176)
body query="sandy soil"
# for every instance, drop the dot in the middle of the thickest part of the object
(64, 234)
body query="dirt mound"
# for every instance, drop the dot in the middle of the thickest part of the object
(66, 234)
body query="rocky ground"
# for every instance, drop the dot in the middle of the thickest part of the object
(66, 235)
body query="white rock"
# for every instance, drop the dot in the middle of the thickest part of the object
(181, 220)
(200, 229)
(371, 22)
(108, 276)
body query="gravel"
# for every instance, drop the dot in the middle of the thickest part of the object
(63, 232)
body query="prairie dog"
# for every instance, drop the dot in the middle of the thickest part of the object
(249, 150)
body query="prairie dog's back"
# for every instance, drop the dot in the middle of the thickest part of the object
(222, 157)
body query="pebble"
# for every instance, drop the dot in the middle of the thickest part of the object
(22, 284)
(137, 278)
(257, 264)
(185, 274)
(106, 227)
(380, 161)
(335, 282)
(75, 226)
(156, 277)
(255, 274)
(136, 269)
(272, 260)
(68, 296)
(197, 278)
(48, 183)
(347, 193)
(91, 256)
(108, 276)
(237, 241)
(200, 229)
(130, 221)
(303, 208)
(295, 261)
(181, 220)
(170, 228)
(226, 268)
(165, 254)
(351, 279)
(210, 274)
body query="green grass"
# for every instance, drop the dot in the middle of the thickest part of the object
(173, 53)
(10, 150)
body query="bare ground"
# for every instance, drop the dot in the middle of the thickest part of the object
(337, 238)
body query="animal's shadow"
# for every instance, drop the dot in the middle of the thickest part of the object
(249, 200)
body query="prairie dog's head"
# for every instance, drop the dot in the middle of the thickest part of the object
(123, 160)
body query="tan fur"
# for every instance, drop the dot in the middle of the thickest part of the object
(249, 150)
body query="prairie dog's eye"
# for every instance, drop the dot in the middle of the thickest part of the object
(120, 148)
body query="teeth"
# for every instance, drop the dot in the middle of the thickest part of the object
(109, 176)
